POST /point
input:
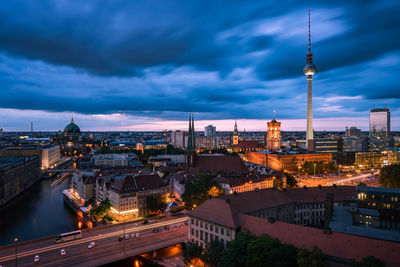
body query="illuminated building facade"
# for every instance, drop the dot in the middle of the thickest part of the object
(286, 162)
(17, 173)
(326, 145)
(385, 200)
(292, 163)
(273, 135)
(377, 159)
(128, 195)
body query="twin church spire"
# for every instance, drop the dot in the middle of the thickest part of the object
(191, 145)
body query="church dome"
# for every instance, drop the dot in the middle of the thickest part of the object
(72, 129)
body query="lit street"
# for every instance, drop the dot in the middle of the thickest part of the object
(107, 246)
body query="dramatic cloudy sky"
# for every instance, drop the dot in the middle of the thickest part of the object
(143, 65)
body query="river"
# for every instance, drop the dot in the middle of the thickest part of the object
(38, 212)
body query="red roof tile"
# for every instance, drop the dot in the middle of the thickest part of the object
(339, 245)
(218, 211)
(228, 165)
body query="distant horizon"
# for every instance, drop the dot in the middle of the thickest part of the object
(147, 67)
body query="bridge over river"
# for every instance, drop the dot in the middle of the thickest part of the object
(107, 247)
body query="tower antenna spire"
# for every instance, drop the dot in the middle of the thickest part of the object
(309, 31)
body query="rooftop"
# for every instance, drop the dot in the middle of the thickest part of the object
(342, 222)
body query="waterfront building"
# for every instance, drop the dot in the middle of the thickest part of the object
(49, 154)
(128, 194)
(273, 134)
(17, 173)
(83, 184)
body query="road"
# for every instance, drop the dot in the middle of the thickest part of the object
(339, 180)
(106, 250)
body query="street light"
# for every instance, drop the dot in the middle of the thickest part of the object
(16, 250)
(314, 168)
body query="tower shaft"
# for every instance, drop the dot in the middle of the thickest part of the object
(310, 132)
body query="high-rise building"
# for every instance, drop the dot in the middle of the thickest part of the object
(273, 134)
(210, 130)
(179, 138)
(353, 131)
(309, 70)
(379, 123)
(379, 129)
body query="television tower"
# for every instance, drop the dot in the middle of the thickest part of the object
(309, 70)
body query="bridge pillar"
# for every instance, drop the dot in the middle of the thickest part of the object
(154, 255)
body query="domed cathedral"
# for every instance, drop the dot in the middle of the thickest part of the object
(70, 141)
(72, 131)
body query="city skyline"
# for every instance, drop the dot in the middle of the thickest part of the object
(138, 73)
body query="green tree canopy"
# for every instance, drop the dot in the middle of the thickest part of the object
(320, 167)
(213, 254)
(310, 258)
(235, 255)
(197, 192)
(191, 252)
(291, 181)
(156, 203)
(369, 261)
(390, 176)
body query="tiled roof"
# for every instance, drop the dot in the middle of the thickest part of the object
(217, 211)
(338, 245)
(229, 165)
(137, 183)
(267, 198)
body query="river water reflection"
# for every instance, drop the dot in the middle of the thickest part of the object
(37, 213)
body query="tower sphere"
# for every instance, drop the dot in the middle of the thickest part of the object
(309, 69)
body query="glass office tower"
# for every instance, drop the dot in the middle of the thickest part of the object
(379, 123)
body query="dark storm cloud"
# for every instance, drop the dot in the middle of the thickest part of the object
(222, 59)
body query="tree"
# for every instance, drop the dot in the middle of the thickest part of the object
(319, 167)
(156, 203)
(390, 176)
(101, 209)
(369, 261)
(191, 252)
(291, 181)
(236, 253)
(213, 254)
(361, 184)
(198, 191)
(278, 182)
(267, 251)
(310, 258)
